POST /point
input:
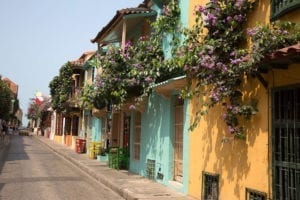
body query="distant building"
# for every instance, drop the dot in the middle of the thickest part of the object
(12, 86)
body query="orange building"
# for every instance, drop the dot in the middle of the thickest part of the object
(12, 86)
(266, 165)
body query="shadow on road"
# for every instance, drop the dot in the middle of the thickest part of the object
(12, 148)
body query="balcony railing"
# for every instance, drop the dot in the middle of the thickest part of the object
(280, 7)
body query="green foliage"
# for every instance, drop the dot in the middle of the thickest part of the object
(215, 60)
(130, 72)
(87, 97)
(218, 63)
(61, 87)
(5, 100)
(267, 38)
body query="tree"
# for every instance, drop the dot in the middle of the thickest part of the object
(5, 100)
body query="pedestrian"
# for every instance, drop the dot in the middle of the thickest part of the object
(1, 129)
(4, 128)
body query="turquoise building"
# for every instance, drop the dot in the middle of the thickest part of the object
(159, 137)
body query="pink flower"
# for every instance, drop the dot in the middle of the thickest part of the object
(132, 107)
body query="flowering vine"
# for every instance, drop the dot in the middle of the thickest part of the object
(215, 59)
(218, 63)
(129, 72)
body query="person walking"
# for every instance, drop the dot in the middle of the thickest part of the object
(1, 131)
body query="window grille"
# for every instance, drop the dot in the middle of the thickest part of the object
(255, 195)
(210, 186)
(286, 144)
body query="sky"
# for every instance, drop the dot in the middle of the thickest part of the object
(38, 36)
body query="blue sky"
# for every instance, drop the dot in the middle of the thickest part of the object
(38, 36)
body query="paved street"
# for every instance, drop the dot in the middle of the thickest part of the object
(31, 171)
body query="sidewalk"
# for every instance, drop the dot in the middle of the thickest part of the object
(128, 185)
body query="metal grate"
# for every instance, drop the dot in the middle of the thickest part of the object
(255, 195)
(150, 169)
(210, 186)
(286, 144)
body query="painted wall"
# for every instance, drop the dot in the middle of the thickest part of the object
(96, 130)
(155, 136)
(157, 141)
(184, 21)
(240, 164)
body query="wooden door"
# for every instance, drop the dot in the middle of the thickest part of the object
(178, 139)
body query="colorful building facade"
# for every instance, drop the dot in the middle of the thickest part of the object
(257, 167)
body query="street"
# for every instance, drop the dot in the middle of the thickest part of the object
(31, 171)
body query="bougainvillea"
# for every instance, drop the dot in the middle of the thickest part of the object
(212, 55)
(131, 71)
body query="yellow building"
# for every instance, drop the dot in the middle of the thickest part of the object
(266, 165)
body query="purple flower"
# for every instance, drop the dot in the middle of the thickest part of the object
(127, 45)
(238, 18)
(229, 18)
(195, 68)
(201, 9)
(185, 68)
(231, 129)
(132, 107)
(211, 19)
(148, 79)
(239, 3)
(252, 31)
(235, 61)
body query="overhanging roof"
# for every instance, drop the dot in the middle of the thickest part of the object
(82, 59)
(281, 58)
(107, 35)
(173, 84)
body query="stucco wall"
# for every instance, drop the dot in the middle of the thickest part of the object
(240, 164)
(155, 136)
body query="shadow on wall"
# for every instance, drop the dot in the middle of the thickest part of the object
(231, 159)
(154, 133)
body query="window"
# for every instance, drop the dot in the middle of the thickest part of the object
(286, 143)
(210, 186)
(255, 195)
(137, 136)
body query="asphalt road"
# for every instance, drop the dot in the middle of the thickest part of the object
(30, 171)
